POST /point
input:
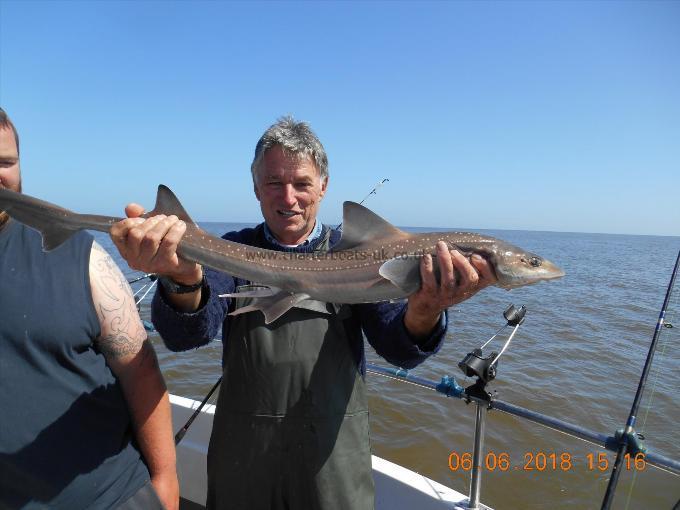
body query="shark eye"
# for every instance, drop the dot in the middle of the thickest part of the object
(535, 261)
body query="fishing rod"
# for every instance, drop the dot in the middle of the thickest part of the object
(181, 432)
(374, 191)
(629, 432)
(151, 276)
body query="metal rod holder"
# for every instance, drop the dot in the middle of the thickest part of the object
(477, 456)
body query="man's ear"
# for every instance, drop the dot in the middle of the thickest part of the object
(257, 193)
(324, 186)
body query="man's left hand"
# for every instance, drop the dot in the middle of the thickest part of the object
(167, 489)
(426, 305)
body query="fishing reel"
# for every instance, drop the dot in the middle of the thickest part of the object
(475, 364)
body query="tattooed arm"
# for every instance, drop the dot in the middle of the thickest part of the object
(132, 359)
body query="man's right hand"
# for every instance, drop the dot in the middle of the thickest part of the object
(150, 245)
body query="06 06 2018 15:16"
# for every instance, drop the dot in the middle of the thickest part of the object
(544, 461)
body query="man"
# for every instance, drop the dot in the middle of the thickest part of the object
(81, 392)
(291, 426)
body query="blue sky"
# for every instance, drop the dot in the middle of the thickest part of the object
(538, 116)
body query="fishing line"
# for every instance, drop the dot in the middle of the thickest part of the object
(151, 286)
(494, 335)
(140, 289)
(507, 342)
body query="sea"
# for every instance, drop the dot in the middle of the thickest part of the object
(578, 357)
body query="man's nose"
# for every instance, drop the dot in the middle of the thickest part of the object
(289, 194)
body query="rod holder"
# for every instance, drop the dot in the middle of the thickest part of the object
(477, 456)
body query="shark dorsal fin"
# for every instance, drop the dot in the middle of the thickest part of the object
(361, 225)
(167, 203)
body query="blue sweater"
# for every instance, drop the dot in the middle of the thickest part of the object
(382, 323)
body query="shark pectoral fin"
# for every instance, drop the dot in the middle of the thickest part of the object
(361, 226)
(53, 233)
(274, 306)
(403, 272)
(167, 203)
(52, 238)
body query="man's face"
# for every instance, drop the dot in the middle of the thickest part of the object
(10, 174)
(289, 190)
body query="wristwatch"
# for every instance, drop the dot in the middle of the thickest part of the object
(172, 287)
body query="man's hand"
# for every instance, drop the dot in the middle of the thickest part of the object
(150, 245)
(426, 305)
(167, 489)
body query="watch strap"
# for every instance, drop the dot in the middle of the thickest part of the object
(172, 287)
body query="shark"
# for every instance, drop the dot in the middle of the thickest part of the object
(373, 261)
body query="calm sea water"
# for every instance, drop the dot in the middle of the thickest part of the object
(578, 357)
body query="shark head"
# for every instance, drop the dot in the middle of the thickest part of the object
(516, 267)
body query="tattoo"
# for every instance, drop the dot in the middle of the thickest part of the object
(122, 331)
(98, 247)
(116, 346)
(122, 346)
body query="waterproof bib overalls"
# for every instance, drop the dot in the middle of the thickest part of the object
(291, 427)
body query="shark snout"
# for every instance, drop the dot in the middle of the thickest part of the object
(551, 271)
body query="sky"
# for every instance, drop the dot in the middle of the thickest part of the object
(557, 116)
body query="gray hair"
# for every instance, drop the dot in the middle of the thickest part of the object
(296, 138)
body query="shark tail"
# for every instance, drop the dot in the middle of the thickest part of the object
(57, 225)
